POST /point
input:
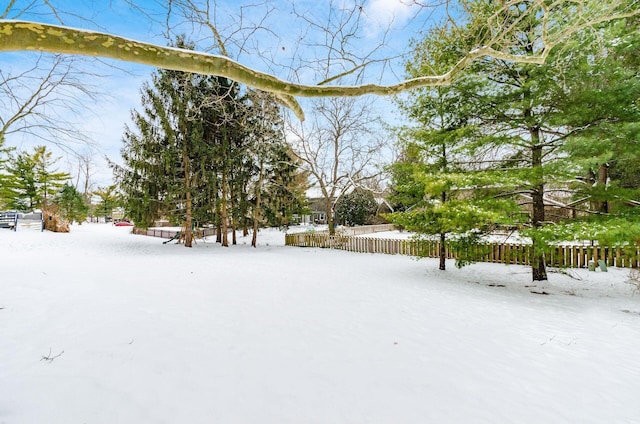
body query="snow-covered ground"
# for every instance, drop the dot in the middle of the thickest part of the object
(101, 326)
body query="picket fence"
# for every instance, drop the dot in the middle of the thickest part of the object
(505, 253)
(366, 229)
(157, 232)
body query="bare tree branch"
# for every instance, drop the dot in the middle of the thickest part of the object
(50, 358)
(37, 101)
(561, 19)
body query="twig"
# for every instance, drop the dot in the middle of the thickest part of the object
(51, 358)
(565, 271)
(548, 340)
(634, 280)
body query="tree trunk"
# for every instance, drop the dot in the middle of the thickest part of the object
(234, 227)
(603, 176)
(332, 230)
(443, 252)
(590, 181)
(234, 219)
(443, 237)
(188, 234)
(216, 207)
(538, 269)
(87, 176)
(218, 232)
(256, 207)
(223, 212)
(244, 201)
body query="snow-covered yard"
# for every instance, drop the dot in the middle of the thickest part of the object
(101, 326)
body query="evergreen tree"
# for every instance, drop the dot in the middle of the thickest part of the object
(603, 102)
(434, 182)
(35, 180)
(181, 159)
(224, 150)
(405, 191)
(25, 195)
(203, 151)
(71, 204)
(146, 165)
(518, 119)
(356, 208)
(161, 173)
(285, 191)
(48, 180)
(108, 200)
(275, 194)
(8, 181)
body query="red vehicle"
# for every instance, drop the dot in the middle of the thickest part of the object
(124, 223)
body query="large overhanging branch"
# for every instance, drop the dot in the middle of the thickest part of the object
(32, 36)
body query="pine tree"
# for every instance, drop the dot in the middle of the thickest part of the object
(8, 181)
(177, 161)
(48, 180)
(147, 163)
(434, 181)
(35, 181)
(25, 196)
(603, 102)
(270, 163)
(285, 191)
(71, 204)
(225, 151)
(519, 116)
(108, 200)
(515, 121)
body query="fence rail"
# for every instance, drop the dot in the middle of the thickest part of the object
(367, 229)
(155, 232)
(508, 253)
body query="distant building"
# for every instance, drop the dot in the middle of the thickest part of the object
(318, 209)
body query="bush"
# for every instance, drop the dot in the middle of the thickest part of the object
(356, 208)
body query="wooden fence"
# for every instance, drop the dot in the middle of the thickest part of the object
(367, 229)
(508, 253)
(164, 233)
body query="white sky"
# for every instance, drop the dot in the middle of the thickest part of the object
(383, 12)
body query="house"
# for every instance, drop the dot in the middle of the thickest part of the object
(318, 209)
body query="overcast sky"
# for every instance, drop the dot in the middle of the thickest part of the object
(274, 36)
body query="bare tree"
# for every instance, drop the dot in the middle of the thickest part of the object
(340, 147)
(40, 94)
(84, 174)
(39, 101)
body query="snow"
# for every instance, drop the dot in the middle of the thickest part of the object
(391, 235)
(140, 332)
